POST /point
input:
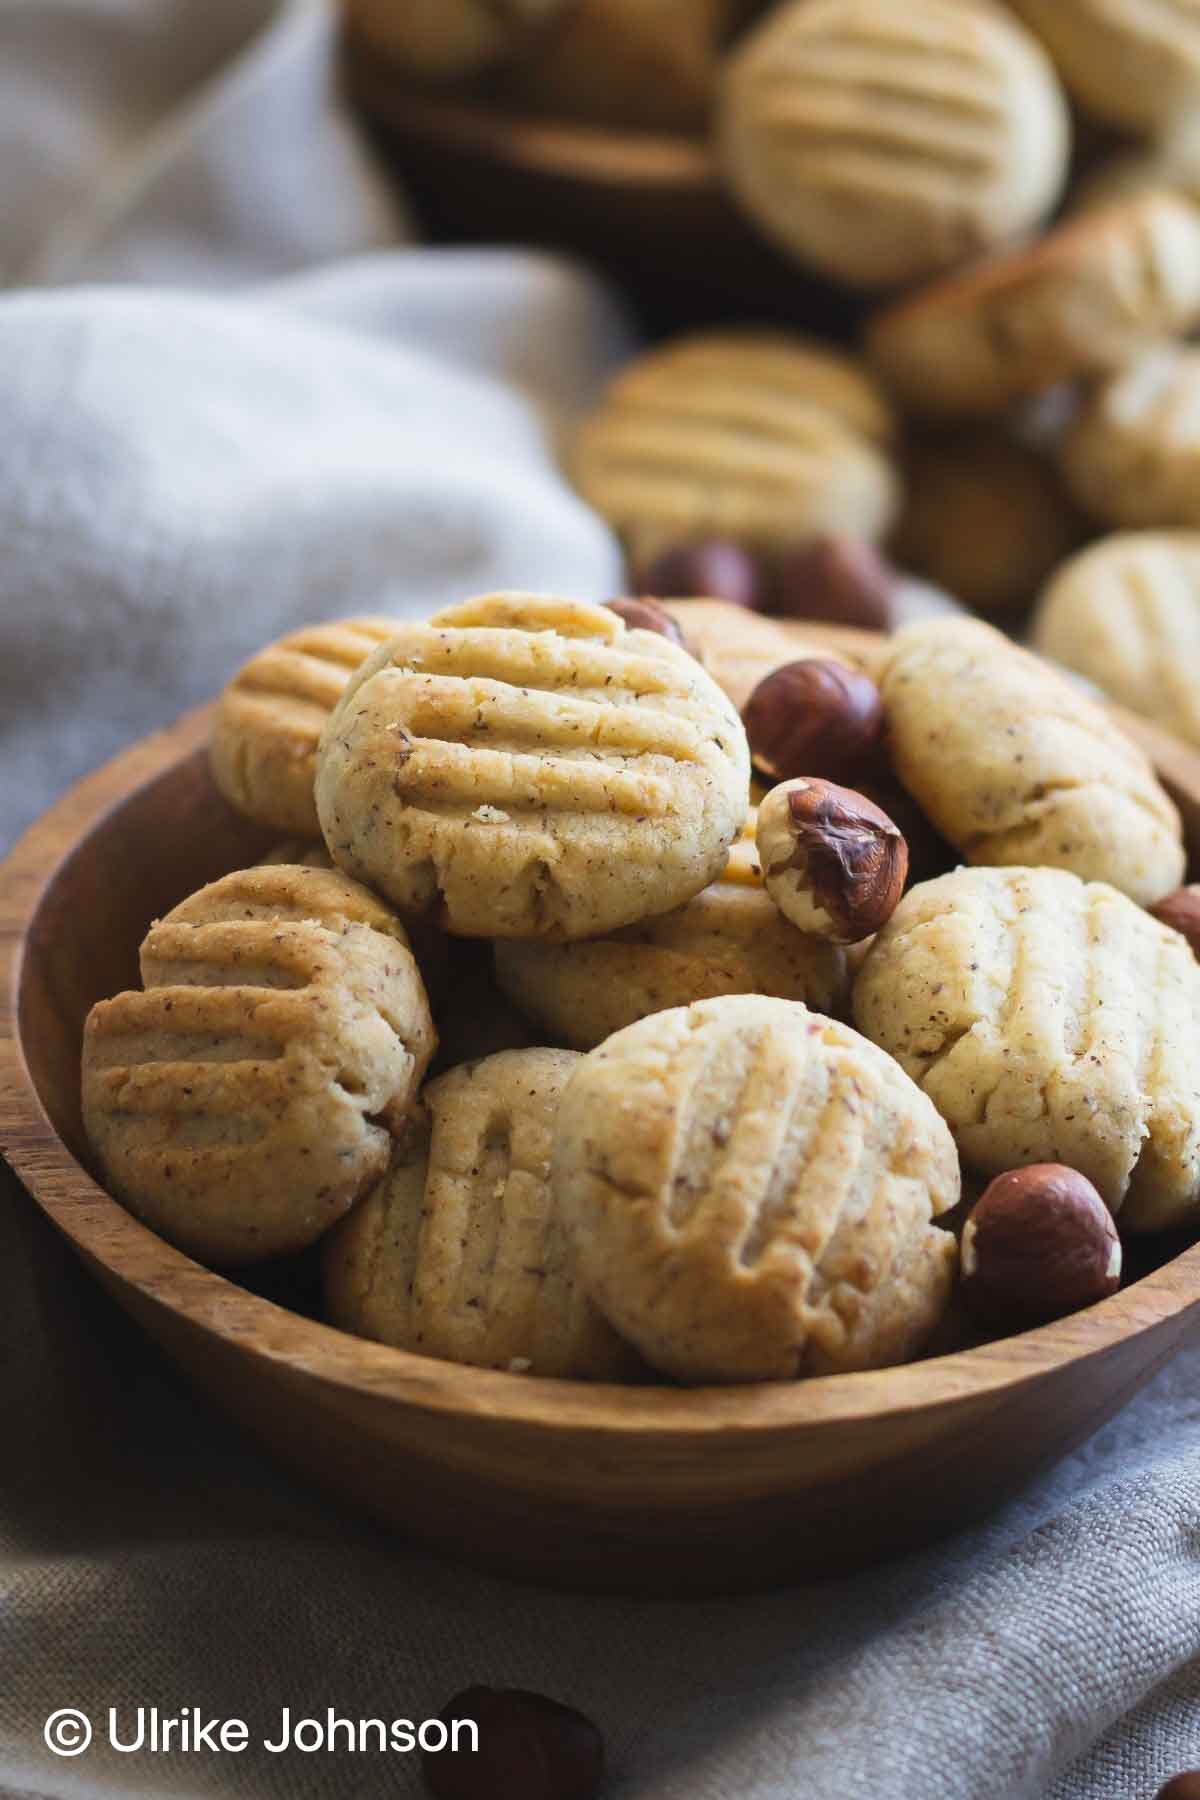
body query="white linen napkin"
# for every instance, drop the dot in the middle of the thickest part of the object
(230, 402)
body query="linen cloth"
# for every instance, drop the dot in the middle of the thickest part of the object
(232, 402)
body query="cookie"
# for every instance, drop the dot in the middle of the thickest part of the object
(1049, 1020)
(245, 1100)
(1014, 763)
(760, 437)
(1081, 301)
(1134, 63)
(883, 144)
(1133, 456)
(269, 719)
(731, 939)
(525, 766)
(984, 517)
(1126, 613)
(450, 40)
(459, 1252)
(750, 1190)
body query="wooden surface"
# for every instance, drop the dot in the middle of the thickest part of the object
(639, 1488)
(648, 209)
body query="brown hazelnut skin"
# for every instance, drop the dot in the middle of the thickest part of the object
(1185, 1786)
(832, 861)
(713, 569)
(528, 1746)
(839, 580)
(1181, 911)
(643, 614)
(814, 717)
(1039, 1243)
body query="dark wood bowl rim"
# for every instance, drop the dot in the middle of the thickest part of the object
(105, 1232)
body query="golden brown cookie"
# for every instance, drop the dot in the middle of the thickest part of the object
(1015, 764)
(985, 518)
(1135, 63)
(1049, 1020)
(884, 143)
(731, 939)
(1133, 456)
(244, 1101)
(525, 766)
(459, 1252)
(758, 436)
(450, 40)
(269, 719)
(751, 1189)
(1081, 301)
(1126, 613)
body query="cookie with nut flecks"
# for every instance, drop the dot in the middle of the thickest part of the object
(246, 1098)
(731, 939)
(1081, 301)
(761, 438)
(1015, 764)
(881, 144)
(752, 1189)
(269, 718)
(1050, 1020)
(459, 1253)
(525, 766)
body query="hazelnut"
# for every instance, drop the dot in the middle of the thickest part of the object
(815, 717)
(647, 615)
(1181, 911)
(713, 569)
(528, 1746)
(1039, 1243)
(840, 580)
(832, 861)
(928, 852)
(1181, 1787)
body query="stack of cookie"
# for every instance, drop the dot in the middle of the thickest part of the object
(711, 1049)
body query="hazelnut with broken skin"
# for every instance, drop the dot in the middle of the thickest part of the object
(644, 614)
(832, 861)
(1039, 1243)
(814, 717)
(1181, 911)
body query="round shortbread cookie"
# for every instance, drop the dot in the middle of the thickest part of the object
(1049, 1020)
(1133, 456)
(1135, 63)
(750, 1189)
(269, 719)
(758, 436)
(1014, 763)
(884, 143)
(1126, 613)
(1081, 301)
(244, 1101)
(523, 766)
(731, 939)
(985, 518)
(459, 1252)
(449, 40)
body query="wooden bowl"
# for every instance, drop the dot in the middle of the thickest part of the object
(648, 208)
(650, 1489)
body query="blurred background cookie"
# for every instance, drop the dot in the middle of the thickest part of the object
(761, 438)
(882, 144)
(1126, 613)
(459, 1253)
(1135, 63)
(1133, 456)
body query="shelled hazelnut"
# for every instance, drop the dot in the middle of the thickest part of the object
(1181, 911)
(643, 614)
(816, 717)
(832, 861)
(528, 1745)
(838, 580)
(1039, 1243)
(1185, 1786)
(712, 569)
